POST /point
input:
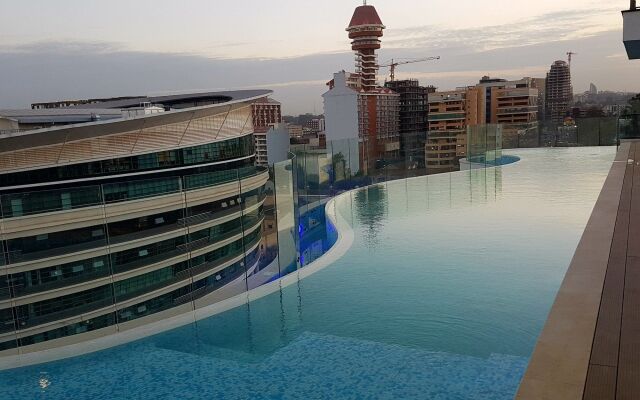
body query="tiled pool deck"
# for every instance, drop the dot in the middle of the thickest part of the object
(590, 345)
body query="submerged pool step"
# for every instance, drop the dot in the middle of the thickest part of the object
(311, 366)
(501, 377)
(324, 366)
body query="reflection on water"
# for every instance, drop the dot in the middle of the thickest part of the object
(373, 205)
(371, 212)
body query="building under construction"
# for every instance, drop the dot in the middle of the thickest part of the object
(559, 93)
(414, 124)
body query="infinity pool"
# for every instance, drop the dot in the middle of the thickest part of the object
(441, 296)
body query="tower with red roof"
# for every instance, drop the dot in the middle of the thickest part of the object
(356, 109)
(365, 31)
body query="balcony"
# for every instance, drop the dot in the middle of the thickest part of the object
(30, 204)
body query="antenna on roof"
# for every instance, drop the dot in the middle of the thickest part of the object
(365, 2)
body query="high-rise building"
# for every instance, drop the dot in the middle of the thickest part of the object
(541, 85)
(559, 94)
(512, 104)
(365, 31)
(114, 217)
(267, 113)
(375, 122)
(295, 131)
(316, 125)
(371, 117)
(378, 117)
(414, 125)
(515, 105)
(450, 113)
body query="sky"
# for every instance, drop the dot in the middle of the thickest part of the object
(65, 49)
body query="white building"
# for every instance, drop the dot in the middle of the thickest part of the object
(341, 110)
(277, 144)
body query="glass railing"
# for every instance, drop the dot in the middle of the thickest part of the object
(149, 260)
(15, 205)
(18, 256)
(25, 322)
(215, 263)
(127, 191)
(7, 326)
(24, 204)
(128, 237)
(573, 132)
(163, 302)
(5, 292)
(155, 280)
(207, 216)
(220, 177)
(629, 126)
(211, 240)
(22, 290)
(210, 179)
(221, 278)
(153, 306)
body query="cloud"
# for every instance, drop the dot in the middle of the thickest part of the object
(57, 70)
(618, 55)
(63, 47)
(474, 74)
(557, 26)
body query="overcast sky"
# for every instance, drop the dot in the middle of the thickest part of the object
(59, 49)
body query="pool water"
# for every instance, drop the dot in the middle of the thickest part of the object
(441, 296)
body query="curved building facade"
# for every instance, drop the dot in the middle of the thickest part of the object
(117, 222)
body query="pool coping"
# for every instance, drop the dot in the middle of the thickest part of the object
(560, 361)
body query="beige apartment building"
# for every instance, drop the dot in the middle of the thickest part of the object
(513, 104)
(450, 113)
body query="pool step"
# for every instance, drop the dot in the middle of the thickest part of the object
(311, 366)
(323, 366)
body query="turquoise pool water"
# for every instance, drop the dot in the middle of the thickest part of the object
(441, 296)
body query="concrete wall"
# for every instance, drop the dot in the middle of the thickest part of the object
(341, 110)
(277, 144)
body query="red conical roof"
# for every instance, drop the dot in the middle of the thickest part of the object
(365, 15)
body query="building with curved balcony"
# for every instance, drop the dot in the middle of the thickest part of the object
(116, 213)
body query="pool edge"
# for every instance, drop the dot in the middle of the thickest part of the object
(560, 361)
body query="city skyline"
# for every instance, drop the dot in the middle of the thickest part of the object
(87, 55)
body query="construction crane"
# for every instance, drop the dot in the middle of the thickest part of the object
(392, 66)
(570, 54)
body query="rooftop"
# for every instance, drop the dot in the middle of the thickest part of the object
(60, 115)
(365, 15)
(105, 118)
(178, 101)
